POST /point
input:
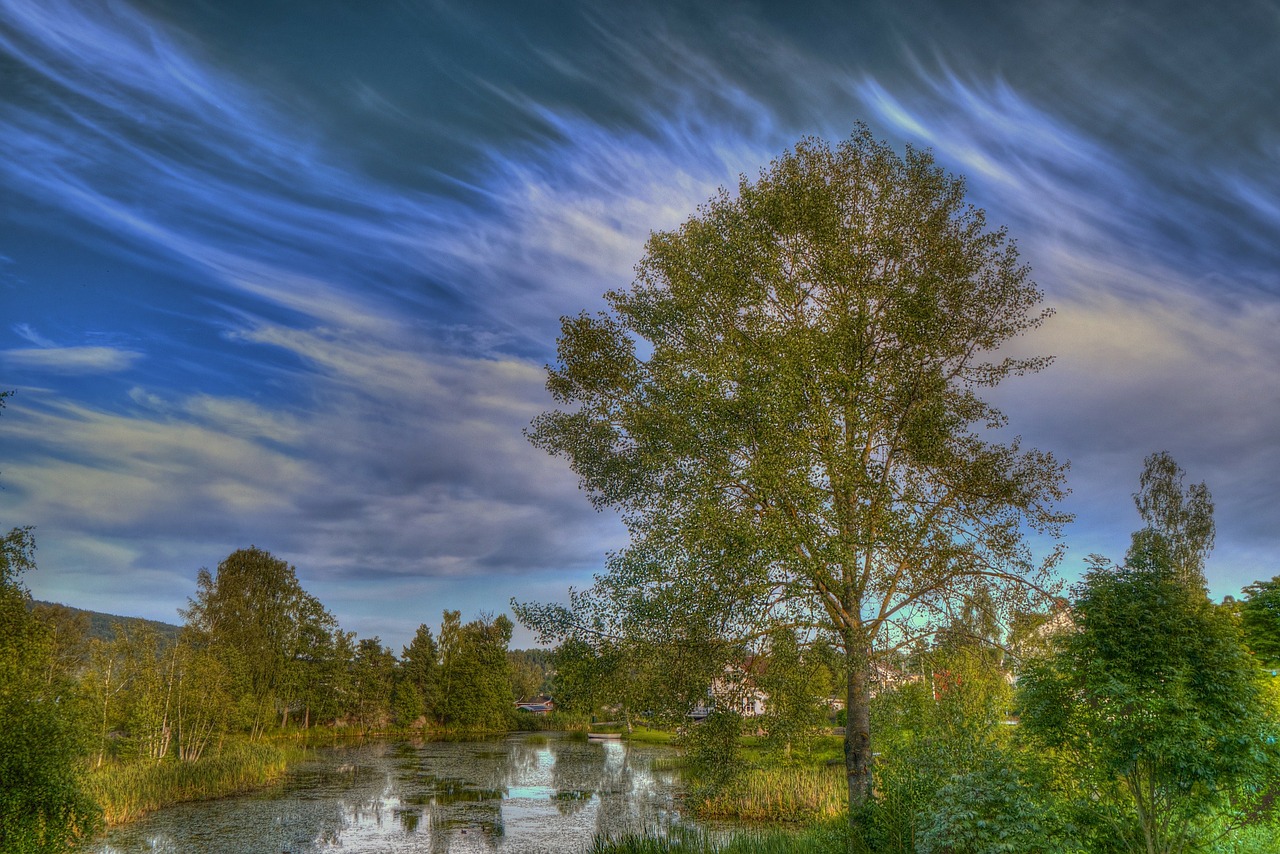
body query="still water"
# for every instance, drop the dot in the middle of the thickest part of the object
(522, 793)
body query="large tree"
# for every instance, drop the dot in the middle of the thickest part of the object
(784, 407)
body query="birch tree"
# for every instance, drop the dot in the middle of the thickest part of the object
(784, 407)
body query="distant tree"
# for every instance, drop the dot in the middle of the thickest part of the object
(68, 630)
(635, 647)
(1181, 520)
(336, 695)
(530, 672)
(201, 701)
(784, 407)
(309, 650)
(581, 678)
(1155, 704)
(150, 669)
(373, 675)
(419, 675)
(43, 807)
(256, 619)
(474, 674)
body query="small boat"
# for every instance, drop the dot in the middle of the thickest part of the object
(602, 736)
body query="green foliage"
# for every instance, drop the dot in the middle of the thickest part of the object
(475, 676)
(372, 683)
(994, 809)
(531, 671)
(580, 683)
(256, 619)
(1155, 704)
(419, 682)
(784, 409)
(947, 725)
(796, 682)
(43, 807)
(711, 751)
(1181, 520)
(1260, 620)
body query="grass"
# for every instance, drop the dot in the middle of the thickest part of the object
(644, 735)
(829, 837)
(126, 791)
(797, 793)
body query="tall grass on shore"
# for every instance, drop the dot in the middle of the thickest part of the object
(127, 791)
(829, 837)
(801, 793)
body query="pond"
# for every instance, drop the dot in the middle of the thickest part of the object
(522, 793)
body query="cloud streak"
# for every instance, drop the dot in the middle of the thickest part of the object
(69, 360)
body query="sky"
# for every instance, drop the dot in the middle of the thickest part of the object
(288, 273)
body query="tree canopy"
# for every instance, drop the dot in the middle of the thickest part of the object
(784, 408)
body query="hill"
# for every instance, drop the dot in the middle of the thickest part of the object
(102, 626)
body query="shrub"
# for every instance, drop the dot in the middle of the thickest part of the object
(993, 809)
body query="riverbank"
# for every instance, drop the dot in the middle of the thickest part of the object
(128, 791)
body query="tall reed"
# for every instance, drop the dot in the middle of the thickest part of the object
(800, 793)
(126, 791)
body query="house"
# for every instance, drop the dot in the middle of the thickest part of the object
(540, 706)
(735, 690)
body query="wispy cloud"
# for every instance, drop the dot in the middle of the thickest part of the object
(70, 360)
(27, 333)
(1164, 328)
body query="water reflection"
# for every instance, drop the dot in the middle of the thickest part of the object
(523, 793)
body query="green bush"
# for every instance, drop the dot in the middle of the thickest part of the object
(993, 809)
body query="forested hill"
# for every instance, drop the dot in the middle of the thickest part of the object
(100, 626)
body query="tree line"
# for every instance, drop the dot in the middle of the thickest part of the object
(256, 656)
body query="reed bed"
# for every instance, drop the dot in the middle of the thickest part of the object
(127, 791)
(780, 794)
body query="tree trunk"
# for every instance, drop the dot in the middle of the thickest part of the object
(857, 731)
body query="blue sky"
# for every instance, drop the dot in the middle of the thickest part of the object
(286, 273)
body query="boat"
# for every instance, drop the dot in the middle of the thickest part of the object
(602, 736)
